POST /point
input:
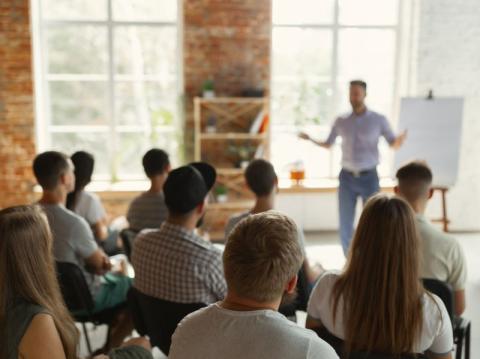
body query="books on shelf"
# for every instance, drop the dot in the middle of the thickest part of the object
(259, 152)
(260, 123)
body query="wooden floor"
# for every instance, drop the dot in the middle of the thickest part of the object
(324, 248)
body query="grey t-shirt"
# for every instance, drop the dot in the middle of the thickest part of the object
(148, 210)
(73, 240)
(89, 207)
(235, 219)
(216, 332)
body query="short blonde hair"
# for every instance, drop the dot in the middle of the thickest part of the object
(261, 255)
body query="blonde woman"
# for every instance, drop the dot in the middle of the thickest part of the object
(34, 322)
(377, 304)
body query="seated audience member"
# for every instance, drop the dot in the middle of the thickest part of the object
(148, 210)
(263, 182)
(88, 206)
(73, 241)
(173, 263)
(34, 322)
(442, 256)
(377, 304)
(261, 260)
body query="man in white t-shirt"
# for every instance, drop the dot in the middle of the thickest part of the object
(261, 260)
(442, 256)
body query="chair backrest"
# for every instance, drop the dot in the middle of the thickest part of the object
(128, 236)
(444, 291)
(158, 318)
(74, 287)
(339, 345)
(301, 300)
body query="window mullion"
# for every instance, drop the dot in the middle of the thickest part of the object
(113, 140)
(334, 78)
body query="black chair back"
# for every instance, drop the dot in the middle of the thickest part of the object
(128, 236)
(444, 291)
(158, 318)
(339, 345)
(74, 287)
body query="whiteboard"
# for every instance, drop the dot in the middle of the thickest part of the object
(434, 133)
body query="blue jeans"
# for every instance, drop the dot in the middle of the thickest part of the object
(351, 187)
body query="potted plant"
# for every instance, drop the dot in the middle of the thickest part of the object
(221, 193)
(208, 89)
(242, 153)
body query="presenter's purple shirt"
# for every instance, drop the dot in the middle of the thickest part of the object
(360, 135)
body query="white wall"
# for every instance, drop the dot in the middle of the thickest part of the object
(448, 61)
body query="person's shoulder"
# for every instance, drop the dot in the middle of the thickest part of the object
(434, 312)
(329, 277)
(147, 234)
(237, 217)
(429, 232)
(315, 346)
(69, 217)
(320, 349)
(324, 285)
(42, 338)
(343, 117)
(199, 318)
(91, 196)
(374, 114)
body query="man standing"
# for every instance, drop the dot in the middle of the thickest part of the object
(360, 131)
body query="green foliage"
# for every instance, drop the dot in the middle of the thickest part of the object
(208, 85)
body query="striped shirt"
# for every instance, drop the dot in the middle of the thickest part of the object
(176, 265)
(147, 211)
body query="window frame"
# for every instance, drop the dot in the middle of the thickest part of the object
(43, 126)
(335, 27)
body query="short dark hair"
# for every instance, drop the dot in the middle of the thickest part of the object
(155, 162)
(48, 167)
(84, 163)
(261, 177)
(360, 83)
(414, 179)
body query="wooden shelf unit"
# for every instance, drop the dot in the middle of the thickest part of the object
(234, 117)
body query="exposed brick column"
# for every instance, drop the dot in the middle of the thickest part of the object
(227, 41)
(17, 130)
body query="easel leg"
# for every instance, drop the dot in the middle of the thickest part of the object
(444, 210)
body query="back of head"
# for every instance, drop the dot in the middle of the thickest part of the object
(48, 168)
(84, 164)
(27, 269)
(261, 255)
(380, 286)
(414, 181)
(261, 177)
(155, 162)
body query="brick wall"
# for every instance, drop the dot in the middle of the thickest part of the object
(17, 136)
(227, 41)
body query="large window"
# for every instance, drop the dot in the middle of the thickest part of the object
(318, 47)
(108, 80)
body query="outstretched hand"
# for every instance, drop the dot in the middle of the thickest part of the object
(400, 140)
(304, 136)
